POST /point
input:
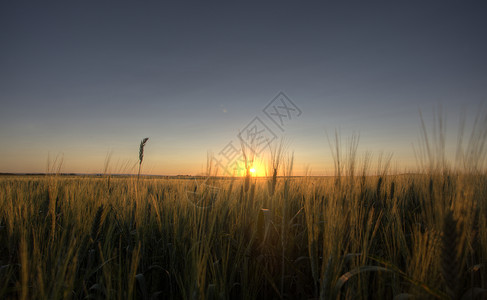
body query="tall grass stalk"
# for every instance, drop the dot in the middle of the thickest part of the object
(276, 155)
(141, 154)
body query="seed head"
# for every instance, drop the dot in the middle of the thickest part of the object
(141, 149)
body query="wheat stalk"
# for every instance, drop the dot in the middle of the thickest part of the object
(141, 154)
(277, 153)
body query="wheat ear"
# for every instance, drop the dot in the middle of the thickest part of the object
(141, 154)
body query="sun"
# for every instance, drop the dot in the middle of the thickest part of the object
(257, 169)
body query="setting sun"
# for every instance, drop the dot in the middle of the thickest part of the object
(252, 170)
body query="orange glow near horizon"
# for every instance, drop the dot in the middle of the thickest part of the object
(258, 169)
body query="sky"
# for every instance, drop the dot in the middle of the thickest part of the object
(86, 81)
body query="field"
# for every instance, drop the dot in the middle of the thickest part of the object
(349, 237)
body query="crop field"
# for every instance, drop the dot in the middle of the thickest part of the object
(404, 236)
(207, 150)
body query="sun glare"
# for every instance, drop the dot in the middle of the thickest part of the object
(252, 170)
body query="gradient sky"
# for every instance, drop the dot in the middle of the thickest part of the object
(84, 79)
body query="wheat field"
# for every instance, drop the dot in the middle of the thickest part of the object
(405, 236)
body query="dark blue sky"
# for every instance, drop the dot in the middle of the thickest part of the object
(88, 78)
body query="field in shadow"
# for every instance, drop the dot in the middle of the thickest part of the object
(360, 237)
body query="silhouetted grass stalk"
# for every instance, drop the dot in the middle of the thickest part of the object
(141, 154)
